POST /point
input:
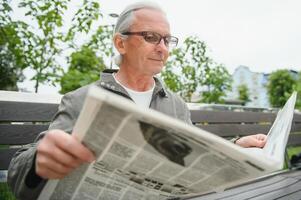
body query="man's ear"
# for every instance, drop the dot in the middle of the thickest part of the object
(119, 44)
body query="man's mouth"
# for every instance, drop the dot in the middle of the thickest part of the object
(155, 59)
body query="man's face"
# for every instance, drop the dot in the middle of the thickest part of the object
(143, 57)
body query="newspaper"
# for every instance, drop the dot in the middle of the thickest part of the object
(144, 154)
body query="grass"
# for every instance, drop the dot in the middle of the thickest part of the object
(293, 151)
(5, 193)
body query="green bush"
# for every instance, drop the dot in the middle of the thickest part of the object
(5, 193)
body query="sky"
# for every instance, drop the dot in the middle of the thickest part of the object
(264, 35)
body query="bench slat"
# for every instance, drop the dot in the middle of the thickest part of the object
(5, 157)
(230, 117)
(232, 130)
(15, 134)
(294, 140)
(247, 129)
(234, 117)
(26, 112)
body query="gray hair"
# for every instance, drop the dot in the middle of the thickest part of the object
(126, 18)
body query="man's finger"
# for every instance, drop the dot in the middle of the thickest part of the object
(44, 162)
(70, 145)
(65, 158)
(48, 173)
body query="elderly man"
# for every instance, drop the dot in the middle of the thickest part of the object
(142, 38)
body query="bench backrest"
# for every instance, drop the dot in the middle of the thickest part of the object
(22, 117)
(231, 124)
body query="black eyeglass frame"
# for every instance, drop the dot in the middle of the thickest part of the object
(172, 39)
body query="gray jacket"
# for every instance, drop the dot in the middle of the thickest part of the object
(22, 179)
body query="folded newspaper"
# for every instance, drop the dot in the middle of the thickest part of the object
(144, 154)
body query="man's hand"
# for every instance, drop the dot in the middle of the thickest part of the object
(257, 140)
(58, 153)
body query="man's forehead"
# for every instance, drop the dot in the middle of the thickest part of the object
(151, 16)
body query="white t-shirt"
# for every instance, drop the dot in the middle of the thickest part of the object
(140, 98)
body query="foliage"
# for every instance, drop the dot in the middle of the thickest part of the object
(217, 80)
(297, 88)
(101, 42)
(84, 68)
(44, 41)
(10, 73)
(243, 92)
(11, 50)
(83, 19)
(280, 86)
(5, 192)
(293, 150)
(190, 70)
(42, 45)
(10, 68)
(87, 63)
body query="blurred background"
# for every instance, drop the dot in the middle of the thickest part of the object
(231, 52)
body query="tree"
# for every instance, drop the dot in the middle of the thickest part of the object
(101, 42)
(10, 67)
(11, 50)
(243, 92)
(298, 89)
(10, 74)
(280, 86)
(87, 63)
(217, 80)
(190, 70)
(84, 68)
(46, 46)
(44, 41)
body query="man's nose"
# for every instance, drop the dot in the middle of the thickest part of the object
(161, 45)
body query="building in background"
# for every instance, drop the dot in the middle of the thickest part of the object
(256, 84)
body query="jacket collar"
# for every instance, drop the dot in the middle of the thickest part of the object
(108, 82)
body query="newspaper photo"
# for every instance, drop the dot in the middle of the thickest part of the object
(144, 154)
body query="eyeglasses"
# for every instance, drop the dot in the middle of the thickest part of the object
(155, 38)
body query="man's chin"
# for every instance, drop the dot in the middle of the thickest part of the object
(154, 68)
(158, 69)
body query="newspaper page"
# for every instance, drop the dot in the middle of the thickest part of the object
(144, 154)
(278, 135)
